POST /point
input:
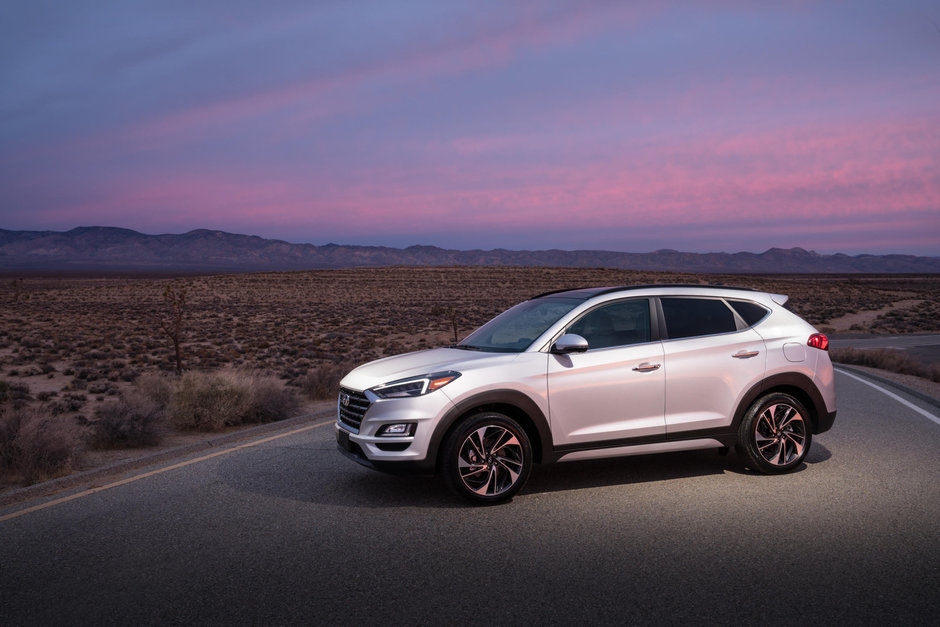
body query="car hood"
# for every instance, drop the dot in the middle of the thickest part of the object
(418, 363)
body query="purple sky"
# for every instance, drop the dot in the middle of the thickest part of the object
(699, 126)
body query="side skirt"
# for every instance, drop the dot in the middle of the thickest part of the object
(691, 440)
(642, 449)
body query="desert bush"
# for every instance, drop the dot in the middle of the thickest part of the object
(36, 446)
(70, 402)
(923, 317)
(132, 421)
(322, 382)
(206, 402)
(17, 393)
(209, 402)
(886, 359)
(269, 401)
(157, 388)
(128, 374)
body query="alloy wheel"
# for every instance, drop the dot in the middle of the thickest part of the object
(780, 434)
(490, 460)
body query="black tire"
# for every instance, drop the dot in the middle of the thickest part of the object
(775, 434)
(487, 458)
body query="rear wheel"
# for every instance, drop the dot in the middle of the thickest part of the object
(775, 434)
(487, 458)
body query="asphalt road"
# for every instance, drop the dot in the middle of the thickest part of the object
(911, 340)
(922, 346)
(289, 531)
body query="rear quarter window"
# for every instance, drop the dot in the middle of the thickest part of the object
(751, 313)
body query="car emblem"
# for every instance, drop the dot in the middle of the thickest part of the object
(344, 399)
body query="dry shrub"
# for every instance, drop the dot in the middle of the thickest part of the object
(209, 402)
(16, 393)
(206, 402)
(9, 428)
(322, 383)
(133, 421)
(155, 388)
(270, 401)
(886, 359)
(36, 446)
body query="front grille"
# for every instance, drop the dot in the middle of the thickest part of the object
(352, 407)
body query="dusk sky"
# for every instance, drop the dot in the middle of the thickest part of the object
(698, 126)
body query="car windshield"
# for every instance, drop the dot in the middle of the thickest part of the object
(515, 329)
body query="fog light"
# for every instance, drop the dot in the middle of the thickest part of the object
(398, 429)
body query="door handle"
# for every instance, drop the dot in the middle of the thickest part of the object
(745, 354)
(647, 367)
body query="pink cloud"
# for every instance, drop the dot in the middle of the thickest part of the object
(802, 175)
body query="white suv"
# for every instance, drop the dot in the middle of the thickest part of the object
(598, 372)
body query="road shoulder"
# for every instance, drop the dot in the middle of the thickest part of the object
(921, 389)
(134, 459)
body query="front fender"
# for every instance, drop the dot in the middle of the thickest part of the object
(512, 402)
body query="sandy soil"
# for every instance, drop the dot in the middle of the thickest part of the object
(861, 319)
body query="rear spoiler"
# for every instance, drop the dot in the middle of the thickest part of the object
(780, 299)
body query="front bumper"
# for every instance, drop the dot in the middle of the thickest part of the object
(398, 453)
(353, 451)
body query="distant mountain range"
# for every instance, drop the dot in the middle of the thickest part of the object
(108, 249)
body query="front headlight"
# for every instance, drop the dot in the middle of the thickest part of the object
(415, 386)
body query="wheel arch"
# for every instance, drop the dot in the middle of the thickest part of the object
(797, 385)
(512, 403)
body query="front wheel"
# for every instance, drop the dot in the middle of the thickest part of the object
(487, 458)
(775, 434)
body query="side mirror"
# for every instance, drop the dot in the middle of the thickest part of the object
(570, 343)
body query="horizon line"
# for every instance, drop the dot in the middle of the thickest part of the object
(497, 249)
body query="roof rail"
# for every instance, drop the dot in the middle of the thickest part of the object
(565, 289)
(626, 288)
(697, 286)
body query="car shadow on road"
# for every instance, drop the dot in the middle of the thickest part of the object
(318, 476)
(321, 475)
(629, 470)
(647, 468)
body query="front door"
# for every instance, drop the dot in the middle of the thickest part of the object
(616, 390)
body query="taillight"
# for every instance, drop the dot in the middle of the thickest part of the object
(818, 340)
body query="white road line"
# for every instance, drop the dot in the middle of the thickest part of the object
(90, 491)
(922, 412)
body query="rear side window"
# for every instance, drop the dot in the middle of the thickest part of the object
(751, 313)
(690, 317)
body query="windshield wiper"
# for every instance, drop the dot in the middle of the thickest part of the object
(465, 347)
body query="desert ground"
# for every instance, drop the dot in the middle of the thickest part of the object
(70, 343)
(57, 331)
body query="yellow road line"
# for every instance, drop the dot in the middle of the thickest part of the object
(91, 491)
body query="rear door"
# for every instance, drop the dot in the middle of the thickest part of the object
(710, 359)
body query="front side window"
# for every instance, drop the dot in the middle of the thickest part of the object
(691, 317)
(515, 329)
(617, 324)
